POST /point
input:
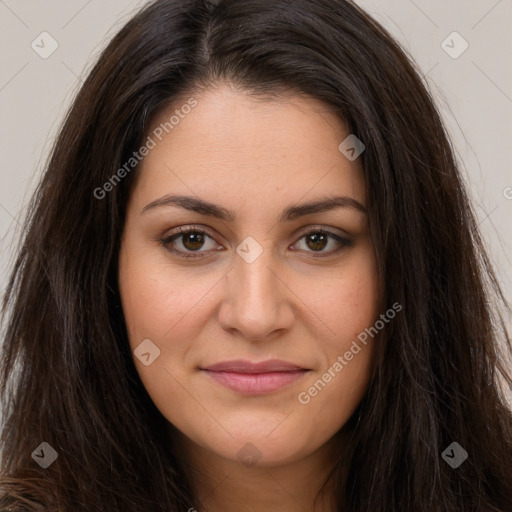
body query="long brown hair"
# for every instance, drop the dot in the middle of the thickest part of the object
(67, 376)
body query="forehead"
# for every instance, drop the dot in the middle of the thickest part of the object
(233, 142)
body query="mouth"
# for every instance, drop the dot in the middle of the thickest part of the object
(249, 378)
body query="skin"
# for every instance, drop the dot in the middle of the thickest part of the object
(255, 157)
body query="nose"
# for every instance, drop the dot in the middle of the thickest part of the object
(257, 301)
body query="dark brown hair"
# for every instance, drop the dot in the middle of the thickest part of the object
(67, 374)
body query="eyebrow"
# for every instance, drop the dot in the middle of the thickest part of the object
(290, 213)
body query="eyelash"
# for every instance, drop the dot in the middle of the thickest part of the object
(165, 242)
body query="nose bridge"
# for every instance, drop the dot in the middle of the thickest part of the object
(257, 281)
(253, 273)
(257, 305)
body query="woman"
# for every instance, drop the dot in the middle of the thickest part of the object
(252, 280)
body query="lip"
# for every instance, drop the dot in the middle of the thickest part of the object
(249, 378)
(246, 366)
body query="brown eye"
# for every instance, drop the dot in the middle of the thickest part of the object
(191, 240)
(316, 241)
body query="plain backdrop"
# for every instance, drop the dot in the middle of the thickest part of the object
(473, 91)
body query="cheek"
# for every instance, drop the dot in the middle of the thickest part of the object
(159, 301)
(349, 302)
(349, 308)
(162, 303)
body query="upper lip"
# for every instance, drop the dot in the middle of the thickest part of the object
(245, 366)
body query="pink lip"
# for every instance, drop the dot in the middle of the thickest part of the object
(255, 378)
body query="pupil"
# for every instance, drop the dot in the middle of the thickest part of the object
(193, 238)
(317, 244)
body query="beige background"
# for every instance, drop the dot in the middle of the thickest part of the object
(474, 93)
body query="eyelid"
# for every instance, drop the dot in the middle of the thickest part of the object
(321, 228)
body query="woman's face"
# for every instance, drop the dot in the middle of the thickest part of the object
(240, 344)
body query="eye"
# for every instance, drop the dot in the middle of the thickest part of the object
(318, 239)
(192, 239)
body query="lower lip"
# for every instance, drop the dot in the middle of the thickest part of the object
(256, 383)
